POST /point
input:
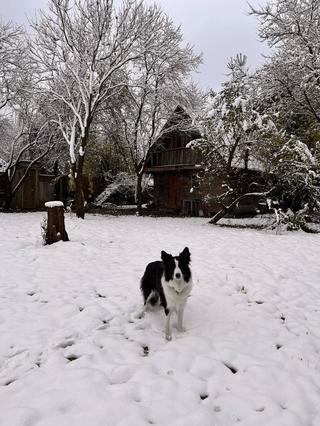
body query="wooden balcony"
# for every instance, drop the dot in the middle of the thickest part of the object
(172, 159)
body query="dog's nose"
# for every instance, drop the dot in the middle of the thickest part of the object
(178, 275)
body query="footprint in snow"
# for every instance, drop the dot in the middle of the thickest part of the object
(231, 368)
(65, 344)
(145, 350)
(8, 382)
(71, 358)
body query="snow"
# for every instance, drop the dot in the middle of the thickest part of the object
(3, 165)
(50, 204)
(263, 221)
(74, 352)
(121, 189)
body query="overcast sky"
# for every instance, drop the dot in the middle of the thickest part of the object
(218, 28)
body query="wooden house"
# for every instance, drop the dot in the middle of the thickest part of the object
(37, 188)
(174, 167)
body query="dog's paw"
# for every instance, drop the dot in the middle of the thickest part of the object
(181, 329)
(168, 337)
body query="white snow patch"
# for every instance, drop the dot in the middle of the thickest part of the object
(123, 184)
(51, 204)
(3, 165)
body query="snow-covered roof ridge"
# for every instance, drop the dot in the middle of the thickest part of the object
(179, 115)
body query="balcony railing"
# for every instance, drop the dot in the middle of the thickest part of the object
(175, 157)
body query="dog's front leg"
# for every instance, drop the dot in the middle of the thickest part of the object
(168, 324)
(180, 317)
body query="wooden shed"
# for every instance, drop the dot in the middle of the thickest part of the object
(174, 167)
(36, 189)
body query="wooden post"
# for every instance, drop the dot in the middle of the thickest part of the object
(55, 225)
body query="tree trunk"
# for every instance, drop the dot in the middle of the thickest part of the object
(139, 193)
(231, 156)
(55, 226)
(225, 209)
(79, 197)
(219, 215)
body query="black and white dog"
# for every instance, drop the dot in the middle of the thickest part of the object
(170, 282)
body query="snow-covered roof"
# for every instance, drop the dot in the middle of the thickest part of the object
(178, 115)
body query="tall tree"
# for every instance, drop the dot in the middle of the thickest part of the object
(13, 62)
(25, 131)
(26, 138)
(158, 81)
(81, 48)
(231, 124)
(290, 85)
(291, 28)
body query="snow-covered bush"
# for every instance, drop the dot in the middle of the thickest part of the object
(119, 190)
(294, 221)
(297, 176)
(44, 230)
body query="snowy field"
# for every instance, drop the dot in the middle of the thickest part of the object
(73, 351)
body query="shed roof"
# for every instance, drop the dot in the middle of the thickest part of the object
(179, 121)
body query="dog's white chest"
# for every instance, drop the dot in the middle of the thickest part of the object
(176, 293)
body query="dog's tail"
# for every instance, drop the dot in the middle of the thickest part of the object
(153, 298)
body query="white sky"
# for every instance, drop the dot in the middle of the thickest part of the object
(218, 28)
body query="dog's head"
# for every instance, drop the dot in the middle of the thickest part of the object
(176, 268)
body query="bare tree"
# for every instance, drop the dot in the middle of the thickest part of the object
(25, 133)
(291, 28)
(81, 48)
(28, 137)
(12, 62)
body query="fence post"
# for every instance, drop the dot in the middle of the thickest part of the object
(55, 226)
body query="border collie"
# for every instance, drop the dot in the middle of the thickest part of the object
(168, 281)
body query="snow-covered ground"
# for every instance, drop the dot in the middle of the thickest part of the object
(73, 351)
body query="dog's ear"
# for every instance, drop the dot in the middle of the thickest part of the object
(185, 254)
(165, 256)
